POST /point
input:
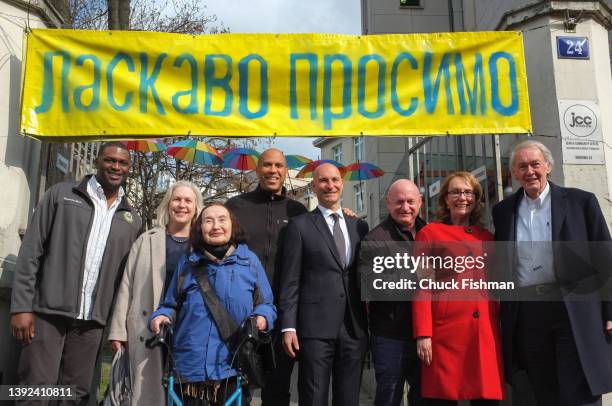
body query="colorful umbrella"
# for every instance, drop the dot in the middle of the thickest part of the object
(359, 171)
(195, 151)
(145, 145)
(243, 159)
(308, 169)
(296, 161)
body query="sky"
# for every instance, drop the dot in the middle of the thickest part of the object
(287, 16)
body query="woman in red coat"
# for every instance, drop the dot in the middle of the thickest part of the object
(455, 323)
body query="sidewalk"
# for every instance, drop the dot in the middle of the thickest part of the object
(368, 389)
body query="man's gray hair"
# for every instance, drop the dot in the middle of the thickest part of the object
(163, 215)
(532, 144)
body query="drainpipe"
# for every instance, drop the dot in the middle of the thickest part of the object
(451, 16)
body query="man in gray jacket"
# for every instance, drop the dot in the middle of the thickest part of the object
(68, 269)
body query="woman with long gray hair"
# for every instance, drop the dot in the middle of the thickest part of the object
(149, 269)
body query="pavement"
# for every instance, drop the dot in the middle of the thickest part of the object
(368, 389)
(366, 397)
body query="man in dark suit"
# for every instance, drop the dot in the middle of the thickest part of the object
(564, 344)
(321, 314)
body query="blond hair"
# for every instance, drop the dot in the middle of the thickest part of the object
(163, 215)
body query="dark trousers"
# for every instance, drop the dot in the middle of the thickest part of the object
(63, 352)
(341, 359)
(395, 362)
(548, 351)
(277, 391)
(473, 402)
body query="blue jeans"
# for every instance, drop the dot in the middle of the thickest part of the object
(395, 362)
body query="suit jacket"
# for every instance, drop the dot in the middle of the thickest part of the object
(138, 296)
(576, 216)
(315, 289)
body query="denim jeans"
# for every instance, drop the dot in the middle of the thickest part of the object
(395, 362)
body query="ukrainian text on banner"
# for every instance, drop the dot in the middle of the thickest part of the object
(101, 84)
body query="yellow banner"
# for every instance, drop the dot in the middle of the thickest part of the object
(105, 84)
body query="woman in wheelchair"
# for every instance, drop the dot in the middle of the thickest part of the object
(203, 365)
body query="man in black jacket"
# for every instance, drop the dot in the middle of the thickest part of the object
(68, 269)
(393, 347)
(264, 214)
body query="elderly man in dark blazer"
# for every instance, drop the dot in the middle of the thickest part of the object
(322, 316)
(565, 344)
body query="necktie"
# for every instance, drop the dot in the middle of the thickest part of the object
(339, 239)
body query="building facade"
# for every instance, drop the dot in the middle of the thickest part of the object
(559, 88)
(27, 166)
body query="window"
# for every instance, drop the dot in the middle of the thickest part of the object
(358, 148)
(358, 198)
(337, 151)
(410, 3)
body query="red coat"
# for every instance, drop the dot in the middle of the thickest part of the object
(466, 344)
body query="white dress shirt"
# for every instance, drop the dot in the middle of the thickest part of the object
(534, 240)
(96, 243)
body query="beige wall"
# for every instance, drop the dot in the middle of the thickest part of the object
(19, 159)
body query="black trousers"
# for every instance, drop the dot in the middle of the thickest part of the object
(63, 352)
(277, 391)
(548, 351)
(341, 359)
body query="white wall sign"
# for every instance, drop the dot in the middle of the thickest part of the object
(434, 188)
(581, 136)
(61, 163)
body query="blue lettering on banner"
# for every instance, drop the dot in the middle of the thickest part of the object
(312, 83)
(147, 83)
(48, 88)
(121, 56)
(476, 87)
(192, 93)
(243, 71)
(347, 67)
(223, 83)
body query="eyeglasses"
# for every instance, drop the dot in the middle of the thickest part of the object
(524, 166)
(455, 194)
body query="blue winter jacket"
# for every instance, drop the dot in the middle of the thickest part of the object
(199, 352)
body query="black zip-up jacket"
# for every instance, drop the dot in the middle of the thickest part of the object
(391, 319)
(264, 217)
(50, 266)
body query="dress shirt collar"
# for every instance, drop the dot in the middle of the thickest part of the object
(539, 201)
(328, 212)
(95, 187)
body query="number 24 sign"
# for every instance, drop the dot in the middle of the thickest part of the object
(573, 47)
